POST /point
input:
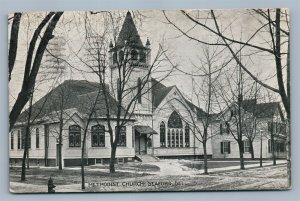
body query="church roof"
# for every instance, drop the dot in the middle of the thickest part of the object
(129, 33)
(79, 94)
(160, 91)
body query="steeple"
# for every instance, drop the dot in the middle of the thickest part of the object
(129, 33)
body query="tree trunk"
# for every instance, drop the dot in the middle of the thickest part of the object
(273, 146)
(60, 145)
(242, 162)
(205, 158)
(113, 158)
(251, 149)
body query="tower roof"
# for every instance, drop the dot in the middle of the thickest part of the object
(129, 33)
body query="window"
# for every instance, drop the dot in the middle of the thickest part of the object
(162, 132)
(227, 128)
(224, 128)
(143, 57)
(246, 146)
(169, 138)
(122, 136)
(174, 120)
(12, 140)
(19, 140)
(74, 136)
(173, 138)
(115, 57)
(22, 138)
(121, 56)
(181, 138)
(37, 138)
(187, 136)
(139, 88)
(134, 55)
(225, 147)
(98, 136)
(177, 138)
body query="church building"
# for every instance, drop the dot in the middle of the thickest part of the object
(160, 126)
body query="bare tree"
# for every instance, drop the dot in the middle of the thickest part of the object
(121, 100)
(33, 59)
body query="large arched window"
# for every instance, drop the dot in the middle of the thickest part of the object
(162, 132)
(134, 54)
(98, 136)
(74, 136)
(142, 57)
(187, 136)
(174, 120)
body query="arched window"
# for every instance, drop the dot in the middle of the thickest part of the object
(142, 57)
(139, 88)
(37, 138)
(98, 136)
(121, 56)
(74, 136)
(162, 132)
(187, 136)
(174, 120)
(115, 57)
(122, 136)
(134, 55)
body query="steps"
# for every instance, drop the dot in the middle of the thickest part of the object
(146, 158)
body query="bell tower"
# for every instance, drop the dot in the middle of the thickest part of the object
(130, 63)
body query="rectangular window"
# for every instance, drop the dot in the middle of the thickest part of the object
(122, 136)
(225, 147)
(169, 138)
(98, 136)
(74, 136)
(173, 138)
(22, 138)
(12, 140)
(181, 138)
(246, 146)
(37, 138)
(19, 140)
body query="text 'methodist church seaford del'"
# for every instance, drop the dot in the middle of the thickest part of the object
(156, 131)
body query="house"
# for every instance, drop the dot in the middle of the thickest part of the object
(261, 122)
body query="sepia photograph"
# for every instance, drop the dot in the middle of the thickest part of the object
(149, 100)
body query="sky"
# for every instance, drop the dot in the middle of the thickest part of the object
(186, 54)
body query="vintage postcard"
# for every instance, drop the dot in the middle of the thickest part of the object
(149, 100)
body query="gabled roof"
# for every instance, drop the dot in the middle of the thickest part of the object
(160, 91)
(129, 33)
(267, 109)
(78, 94)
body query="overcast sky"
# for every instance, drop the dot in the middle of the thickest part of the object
(150, 24)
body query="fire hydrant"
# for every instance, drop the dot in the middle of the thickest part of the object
(51, 186)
